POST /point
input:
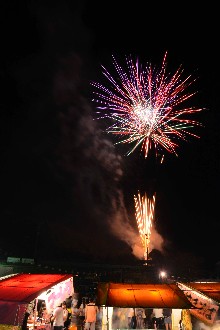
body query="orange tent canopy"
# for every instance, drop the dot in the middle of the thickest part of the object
(142, 295)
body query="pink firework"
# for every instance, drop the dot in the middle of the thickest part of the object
(144, 212)
(143, 105)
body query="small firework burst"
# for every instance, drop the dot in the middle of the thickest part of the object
(143, 105)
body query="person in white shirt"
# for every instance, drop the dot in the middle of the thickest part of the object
(58, 318)
(158, 318)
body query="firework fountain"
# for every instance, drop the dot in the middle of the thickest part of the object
(144, 212)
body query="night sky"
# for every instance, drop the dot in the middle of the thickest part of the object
(66, 188)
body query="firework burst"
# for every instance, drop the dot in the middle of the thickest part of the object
(144, 212)
(143, 105)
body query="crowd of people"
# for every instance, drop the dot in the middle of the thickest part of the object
(65, 316)
(68, 315)
(158, 318)
(141, 318)
(83, 317)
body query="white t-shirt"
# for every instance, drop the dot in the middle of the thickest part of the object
(158, 312)
(58, 314)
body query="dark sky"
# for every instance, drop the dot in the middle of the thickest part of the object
(67, 190)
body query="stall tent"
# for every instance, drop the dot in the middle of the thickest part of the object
(201, 299)
(17, 291)
(118, 297)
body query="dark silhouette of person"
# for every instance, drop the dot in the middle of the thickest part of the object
(24, 323)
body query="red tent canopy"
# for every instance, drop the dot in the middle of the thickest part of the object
(19, 290)
(25, 287)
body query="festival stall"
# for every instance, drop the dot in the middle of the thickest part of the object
(185, 300)
(21, 296)
(24, 293)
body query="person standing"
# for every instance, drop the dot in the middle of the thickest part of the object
(158, 318)
(140, 316)
(130, 315)
(91, 311)
(167, 312)
(75, 313)
(69, 302)
(132, 321)
(25, 321)
(82, 312)
(68, 307)
(58, 318)
(65, 316)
